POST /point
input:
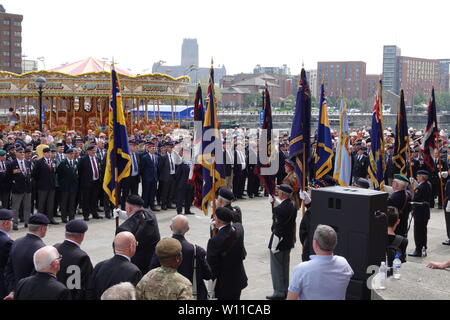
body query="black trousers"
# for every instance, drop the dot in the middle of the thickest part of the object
(159, 191)
(129, 185)
(89, 199)
(67, 203)
(420, 232)
(4, 197)
(184, 198)
(253, 184)
(46, 202)
(402, 228)
(447, 223)
(149, 193)
(167, 191)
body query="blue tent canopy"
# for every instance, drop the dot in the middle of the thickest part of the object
(180, 112)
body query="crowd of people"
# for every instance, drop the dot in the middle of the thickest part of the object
(44, 177)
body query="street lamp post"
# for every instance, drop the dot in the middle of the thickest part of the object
(40, 82)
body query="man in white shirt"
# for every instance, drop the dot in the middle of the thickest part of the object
(325, 276)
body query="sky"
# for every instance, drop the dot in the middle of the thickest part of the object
(237, 33)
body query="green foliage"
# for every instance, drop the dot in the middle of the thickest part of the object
(442, 101)
(419, 98)
(254, 100)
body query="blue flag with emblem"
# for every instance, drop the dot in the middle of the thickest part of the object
(324, 150)
(118, 161)
(213, 168)
(299, 142)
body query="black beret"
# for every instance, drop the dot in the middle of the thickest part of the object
(18, 149)
(149, 143)
(28, 151)
(46, 150)
(59, 144)
(90, 148)
(224, 214)
(132, 142)
(363, 183)
(135, 200)
(6, 214)
(363, 148)
(226, 194)
(39, 219)
(423, 173)
(76, 226)
(169, 144)
(286, 188)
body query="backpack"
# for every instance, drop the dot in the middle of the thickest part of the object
(393, 249)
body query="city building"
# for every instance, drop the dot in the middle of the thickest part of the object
(284, 70)
(391, 73)
(311, 76)
(189, 65)
(372, 81)
(343, 77)
(29, 65)
(10, 41)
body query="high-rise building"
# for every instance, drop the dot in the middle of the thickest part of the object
(372, 81)
(189, 53)
(29, 65)
(346, 77)
(283, 70)
(391, 68)
(311, 76)
(10, 41)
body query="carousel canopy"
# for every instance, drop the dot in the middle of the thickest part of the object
(88, 65)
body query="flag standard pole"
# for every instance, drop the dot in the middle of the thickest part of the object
(440, 171)
(303, 176)
(213, 194)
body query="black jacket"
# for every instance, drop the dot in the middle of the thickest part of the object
(67, 176)
(182, 176)
(225, 254)
(5, 247)
(20, 263)
(360, 167)
(20, 183)
(41, 286)
(423, 193)
(144, 226)
(186, 267)
(111, 272)
(283, 225)
(44, 175)
(5, 181)
(304, 232)
(85, 171)
(72, 255)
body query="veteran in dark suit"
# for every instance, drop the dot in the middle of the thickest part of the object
(130, 185)
(401, 199)
(6, 222)
(143, 225)
(20, 262)
(73, 255)
(117, 269)
(225, 254)
(5, 182)
(67, 175)
(360, 164)
(43, 284)
(149, 174)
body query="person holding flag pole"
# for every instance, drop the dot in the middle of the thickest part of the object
(343, 162)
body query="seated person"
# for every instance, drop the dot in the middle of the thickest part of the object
(395, 243)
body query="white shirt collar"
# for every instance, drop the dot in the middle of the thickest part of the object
(122, 255)
(76, 243)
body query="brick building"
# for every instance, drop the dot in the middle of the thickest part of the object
(10, 41)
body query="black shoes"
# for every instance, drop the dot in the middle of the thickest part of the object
(164, 208)
(415, 254)
(15, 228)
(446, 243)
(155, 209)
(189, 212)
(53, 222)
(275, 298)
(86, 219)
(97, 217)
(64, 220)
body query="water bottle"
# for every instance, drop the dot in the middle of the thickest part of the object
(382, 275)
(396, 264)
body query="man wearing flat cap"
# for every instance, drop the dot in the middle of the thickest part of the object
(421, 212)
(44, 173)
(6, 222)
(143, 224)
(400, 199)
(77, 280)
(19, 172)
(5, 181)
(360, 164)
(282, 241)
(20, 263)
(165, 283)
(225, 254)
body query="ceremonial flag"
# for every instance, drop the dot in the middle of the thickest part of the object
(377, 164)
(299, 142)
(324, 150)
(213, 171)
(343, 162)
(196, 180)
(431, 134)
(268, 181)
(401, 137)
(118, 161)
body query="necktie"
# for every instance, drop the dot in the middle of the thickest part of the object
(3, 166)
(22, 166)
(94, 168)
(134, 165)
(71, 163)
(171, 163)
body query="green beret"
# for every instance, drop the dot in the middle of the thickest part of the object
(2, 153)
(167, 248)
(69, 150)
(401, 177)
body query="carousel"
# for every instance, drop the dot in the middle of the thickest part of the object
(76, 97)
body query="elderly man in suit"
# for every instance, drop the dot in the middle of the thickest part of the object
(149, 173)
(67, 175)
(6, 222)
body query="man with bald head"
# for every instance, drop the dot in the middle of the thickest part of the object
(43, 284)
(117, 269)
(192, 255)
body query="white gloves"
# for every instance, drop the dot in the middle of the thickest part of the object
(305, 197)
(414, 183)
(388, 189)
(443, 174)
(120, 213)
(213, 224)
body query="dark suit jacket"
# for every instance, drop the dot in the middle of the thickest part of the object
(225, 255)
(5, 181)
(85, 171)
(186, 267)
(44, 176)
(73, 255)
(20, 263)
(281, 174)
(41, 286)
(144, 226)
(67, 176)
(111, 272)
(182, 176)
(164, 168)
(283, 225)
(5, 248)
(20, 183)
(423, 193)
(360, 167)
(148, 169)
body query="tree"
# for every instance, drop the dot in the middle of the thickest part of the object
(419, 98)
(443, 101)
(289, 102)
(253, 99)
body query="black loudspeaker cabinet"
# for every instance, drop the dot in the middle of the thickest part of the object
(362, 232)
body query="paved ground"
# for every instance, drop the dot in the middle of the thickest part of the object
(256, 220)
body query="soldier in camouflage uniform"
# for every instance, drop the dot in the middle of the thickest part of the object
(165, 283)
